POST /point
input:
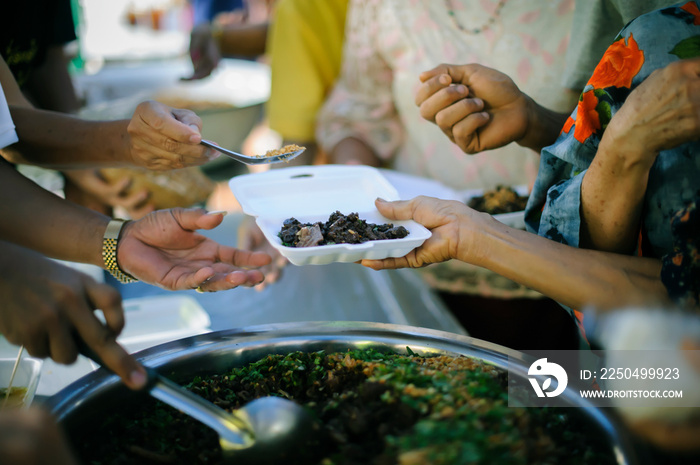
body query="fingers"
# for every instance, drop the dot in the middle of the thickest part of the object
(140, 210)
(461, 109)
(421, 209)
(183, 126)
(164, 138)
(465, 134)
(61, 343)
(457, 73)
(386, 263)
(107, 299)
(191, 219)
(397, 210)
(227, 281)
(190, 119)
(243, 258)
(431, 73)
(102, 338)
(431, 87)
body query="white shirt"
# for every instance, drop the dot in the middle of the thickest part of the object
(8, 135)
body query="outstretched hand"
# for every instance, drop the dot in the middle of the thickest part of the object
(163, 249)
(447, 220)
(165, 138)
(477, 107)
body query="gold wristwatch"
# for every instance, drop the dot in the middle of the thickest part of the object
(109, 251)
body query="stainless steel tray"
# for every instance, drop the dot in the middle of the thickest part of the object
(216, 352)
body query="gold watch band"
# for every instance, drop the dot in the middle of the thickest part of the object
(109, 251)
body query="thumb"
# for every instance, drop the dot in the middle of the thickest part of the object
(192, 219)
(438, 70)
(396, 210)
(461, 74)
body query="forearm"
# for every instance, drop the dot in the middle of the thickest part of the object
(50, 85)
(543, 128)
(247, 40)
(612, 195)
(353, 151)
(571, 276)
(36, 219)
(63, 141)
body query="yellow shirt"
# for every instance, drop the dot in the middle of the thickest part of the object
(305, 45)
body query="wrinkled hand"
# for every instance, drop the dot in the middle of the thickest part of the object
(250, 237)
(32, 437)
(447, 220)
(113, 195)
(661, 113)
(204, 52)
(46, 303)
(163, 249)
(484, 110)
(164, 138)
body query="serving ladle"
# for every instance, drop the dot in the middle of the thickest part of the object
(257, 160)
(268, 430)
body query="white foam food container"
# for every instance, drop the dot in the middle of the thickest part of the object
(311, 194)
(27, 376)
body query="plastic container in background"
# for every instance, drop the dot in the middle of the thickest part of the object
(313, 193)
(27, 377)
(513, 219)
(153, 320)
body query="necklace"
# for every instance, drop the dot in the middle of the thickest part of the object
(492, 19)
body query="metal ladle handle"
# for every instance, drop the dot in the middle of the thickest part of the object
(233, 429)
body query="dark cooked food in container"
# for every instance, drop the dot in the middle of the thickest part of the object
(500, 200)
(375, 407)
(339, 229)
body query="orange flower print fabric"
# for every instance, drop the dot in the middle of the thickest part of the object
(621, 63)
(587, 119)
(693, 9)
(648, 43)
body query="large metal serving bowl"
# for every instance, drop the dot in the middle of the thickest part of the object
(96, 394)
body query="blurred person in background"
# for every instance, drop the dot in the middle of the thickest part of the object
(204, 11)
(227, 28)
(370, 118)
(303, 43)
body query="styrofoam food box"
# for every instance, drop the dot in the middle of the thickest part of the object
(313, 193)
(513, 219)
(27, 376)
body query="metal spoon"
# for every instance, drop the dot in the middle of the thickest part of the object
(267, 430)
(259, 160)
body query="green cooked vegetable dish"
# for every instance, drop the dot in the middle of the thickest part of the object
(375, 408)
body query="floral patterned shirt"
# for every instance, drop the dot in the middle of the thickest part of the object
(388, 43)
(649, 42)
(680, 270)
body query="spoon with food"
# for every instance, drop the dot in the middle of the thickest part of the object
(284, 154)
